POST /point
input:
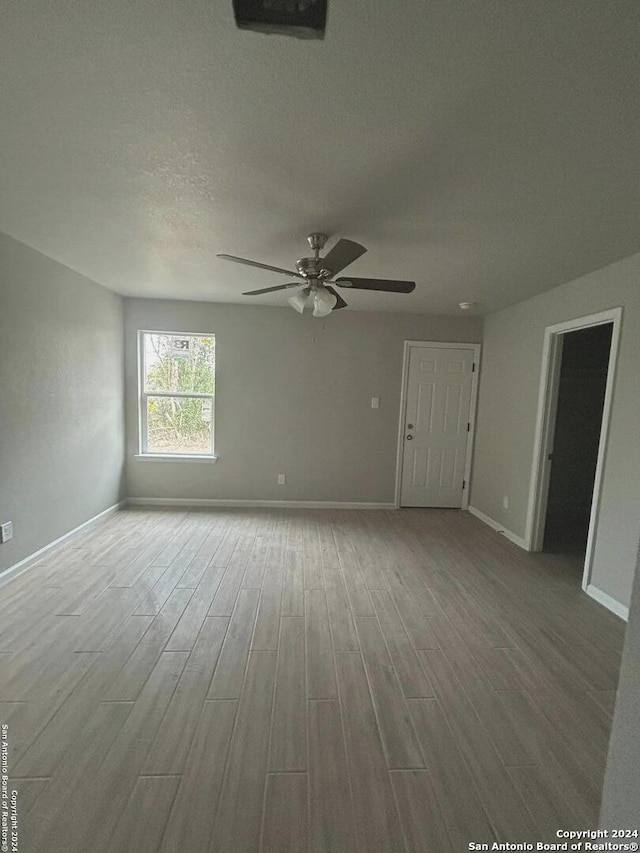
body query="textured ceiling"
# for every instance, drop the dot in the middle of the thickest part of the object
(488, 150)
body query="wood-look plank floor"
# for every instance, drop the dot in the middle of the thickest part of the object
(253, 681)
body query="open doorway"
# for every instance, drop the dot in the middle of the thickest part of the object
(572, 398)
(582, 385)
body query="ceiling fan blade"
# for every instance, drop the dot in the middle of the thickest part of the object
(271, 289)
(391, 285)
(344, 252)
(260, 266)
(340, 303)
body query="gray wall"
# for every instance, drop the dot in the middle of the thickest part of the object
(621, 793)
(61, 399)
(512, 360)
(293, 396)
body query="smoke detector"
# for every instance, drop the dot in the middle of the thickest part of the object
(466, 306)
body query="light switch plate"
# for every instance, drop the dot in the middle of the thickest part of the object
(375, 402)
(6, 531)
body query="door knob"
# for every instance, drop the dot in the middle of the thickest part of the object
(409, 426)
(409, 437)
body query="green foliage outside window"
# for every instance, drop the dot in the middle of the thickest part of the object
(179, 424)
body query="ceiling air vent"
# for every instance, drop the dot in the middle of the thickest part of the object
(301, 18)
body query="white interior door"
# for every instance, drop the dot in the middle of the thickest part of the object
(436, 426)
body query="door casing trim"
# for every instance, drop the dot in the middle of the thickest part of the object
(476, 348)
(545, 424)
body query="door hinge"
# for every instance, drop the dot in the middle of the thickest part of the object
(464, 484)
(473, 367)
(468, 427)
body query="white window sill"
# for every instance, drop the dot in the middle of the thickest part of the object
(173, 457)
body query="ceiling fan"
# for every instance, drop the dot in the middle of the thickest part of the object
(317, 276)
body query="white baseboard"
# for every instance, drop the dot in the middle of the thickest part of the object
(500, 528)
(608, 602)
(32, 558)
(196, 502)
(595, 593)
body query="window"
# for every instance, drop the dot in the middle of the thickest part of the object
(177, 394)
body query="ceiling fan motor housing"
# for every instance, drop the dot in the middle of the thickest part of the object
(312, 268)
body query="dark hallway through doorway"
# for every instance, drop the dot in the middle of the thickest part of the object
(581, 392)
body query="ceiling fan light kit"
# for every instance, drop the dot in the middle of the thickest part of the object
(298, 301)
(317, 276)
(322, 299)
(323, 302)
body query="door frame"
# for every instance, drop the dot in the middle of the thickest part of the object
(476, 348)
(545, 428)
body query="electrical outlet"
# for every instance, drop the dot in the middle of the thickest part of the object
(281, 479)
(375, 402)
(6, 531)
(505, 502)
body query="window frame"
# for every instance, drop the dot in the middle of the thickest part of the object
(143, 396)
